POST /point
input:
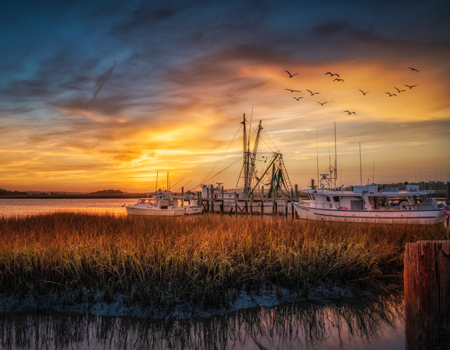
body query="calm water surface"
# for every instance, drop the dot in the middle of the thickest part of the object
(33, 206)
(375, 325)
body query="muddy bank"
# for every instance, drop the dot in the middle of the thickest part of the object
(96, 303)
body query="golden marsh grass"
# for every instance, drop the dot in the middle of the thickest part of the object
(198, 258)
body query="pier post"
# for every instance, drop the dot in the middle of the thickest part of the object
(427, 291)
(235, 203)
(251, 206)
(292, 209)
(262, 191)
(207, 199)
(182, 196)
(297, 195)
(212, 199)
(292, 193)
(286, 208)
(447, 201)
(422, 186)
(262, 206)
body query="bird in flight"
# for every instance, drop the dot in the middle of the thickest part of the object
(321, 103)
(312, 93)
(410, 86)
(390, 95)
(364, 93)
(332, 75)
(292, 90)
(297, 98)
(337, 79)
(399, 90)
(290, 75)
(350, 112)
(413, 69)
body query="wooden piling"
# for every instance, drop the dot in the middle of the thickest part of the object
(235, 203)
(251, 206)
(274, 209)
(447, 201)
(286, 207)
(297, 195)
(427, 295)
(262, 207)
(182, 196)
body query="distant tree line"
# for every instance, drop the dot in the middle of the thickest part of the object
(5, 192)
(107, 192)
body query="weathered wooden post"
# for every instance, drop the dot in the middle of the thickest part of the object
(292, 193)
(207, 199)
(182, 196)
(422, 186)
(292, 209)
(447, 201)
(427, 295)
(262, 207)
(235, 203)
(251, 205)
(297, 195)
(262, 191)
(286, 208)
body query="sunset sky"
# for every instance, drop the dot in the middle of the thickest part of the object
(98, 95)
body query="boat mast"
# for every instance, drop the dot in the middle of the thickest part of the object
(360, 165)
(156, 185)
(245, 154)
(335, 156)
(253, 156)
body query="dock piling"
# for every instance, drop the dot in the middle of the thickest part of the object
(427, 291)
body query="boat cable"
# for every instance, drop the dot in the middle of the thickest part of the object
(221, 157)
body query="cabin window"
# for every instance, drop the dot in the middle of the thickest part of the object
(357, 204)
(336, 198)
(328, 199)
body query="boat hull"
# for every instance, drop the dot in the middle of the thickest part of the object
(420, 217)
(164, 212)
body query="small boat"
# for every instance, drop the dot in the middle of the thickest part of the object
(372, 204)
(164, 203)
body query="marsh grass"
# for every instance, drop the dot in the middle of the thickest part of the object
(203, 259)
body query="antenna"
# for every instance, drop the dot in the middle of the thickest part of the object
(360, 165)
(335, 153)
(156, 185)
(317, 157)
(373, 172)
(167, 181)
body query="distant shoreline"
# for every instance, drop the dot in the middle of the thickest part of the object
(77, 196)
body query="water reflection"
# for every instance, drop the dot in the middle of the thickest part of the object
(372, 325)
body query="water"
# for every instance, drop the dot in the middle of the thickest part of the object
(34, 206)
(372, 325)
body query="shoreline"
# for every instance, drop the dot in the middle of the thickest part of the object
(94, 303)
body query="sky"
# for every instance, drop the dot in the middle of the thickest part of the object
(104, 94)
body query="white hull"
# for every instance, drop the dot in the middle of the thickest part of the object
(134, 210)
(421, 217)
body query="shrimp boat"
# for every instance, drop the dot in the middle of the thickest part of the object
(372, 204)
(164, 203)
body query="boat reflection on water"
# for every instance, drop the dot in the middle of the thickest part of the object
(372, 325)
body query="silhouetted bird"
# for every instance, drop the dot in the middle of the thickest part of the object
(290, 75)
(410, 86)
(292, 90)
(390, 95)
(350, 112)
(413, 69)
(332, 75)
(312, 93)
(364, 93)
(321, 103)
(337, 79)
(297, 98)
(399, 90)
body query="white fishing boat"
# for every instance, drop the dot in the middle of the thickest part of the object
(164, 203)
(372, 204)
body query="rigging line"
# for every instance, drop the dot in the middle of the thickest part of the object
(273, 143)
(223, 154)
(216, 174)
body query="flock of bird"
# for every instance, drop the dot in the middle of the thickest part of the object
(338, 79)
